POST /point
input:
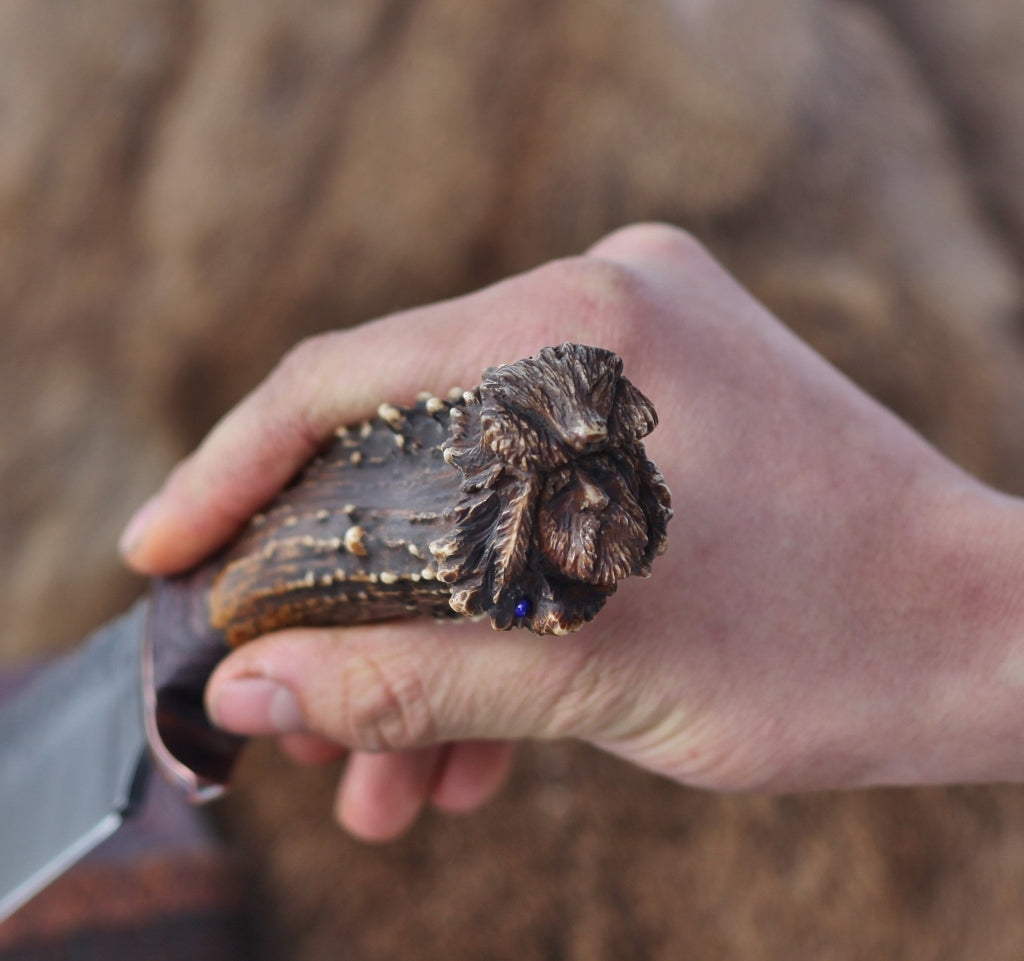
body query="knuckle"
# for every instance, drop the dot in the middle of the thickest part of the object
(646, 240)
(303, 354)
(595, 280)
(293, 370)
(386, 707)
(290, 398)
(609, 301)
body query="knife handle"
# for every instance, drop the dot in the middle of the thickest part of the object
(526, 500)
(347, 542)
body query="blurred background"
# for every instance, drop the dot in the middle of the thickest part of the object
(188, 187)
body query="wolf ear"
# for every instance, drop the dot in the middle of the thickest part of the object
(632, 417)
(513, 439)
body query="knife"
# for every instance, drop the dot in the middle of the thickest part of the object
(524, 500)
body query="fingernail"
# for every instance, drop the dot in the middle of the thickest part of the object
(136, 528)
(257, 705)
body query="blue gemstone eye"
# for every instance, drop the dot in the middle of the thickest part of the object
(523, 607)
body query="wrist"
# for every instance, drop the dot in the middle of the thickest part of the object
(963, 716)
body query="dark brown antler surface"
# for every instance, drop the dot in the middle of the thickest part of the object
(525, 499)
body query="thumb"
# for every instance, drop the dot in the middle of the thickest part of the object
(406, 685)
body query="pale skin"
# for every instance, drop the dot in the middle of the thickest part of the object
(839, 606)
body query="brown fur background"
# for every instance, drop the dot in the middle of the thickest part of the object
(187, 187)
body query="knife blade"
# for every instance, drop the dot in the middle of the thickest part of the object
(411, 513)
(57, 745)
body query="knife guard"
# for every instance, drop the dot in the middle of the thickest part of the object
(523, 500)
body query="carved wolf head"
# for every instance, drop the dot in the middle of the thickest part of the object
(558, 500)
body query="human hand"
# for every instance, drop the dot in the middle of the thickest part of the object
(832, 601)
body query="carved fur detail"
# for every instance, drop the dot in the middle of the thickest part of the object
(558, 500)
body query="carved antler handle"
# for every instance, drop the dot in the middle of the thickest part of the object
(525, 499)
